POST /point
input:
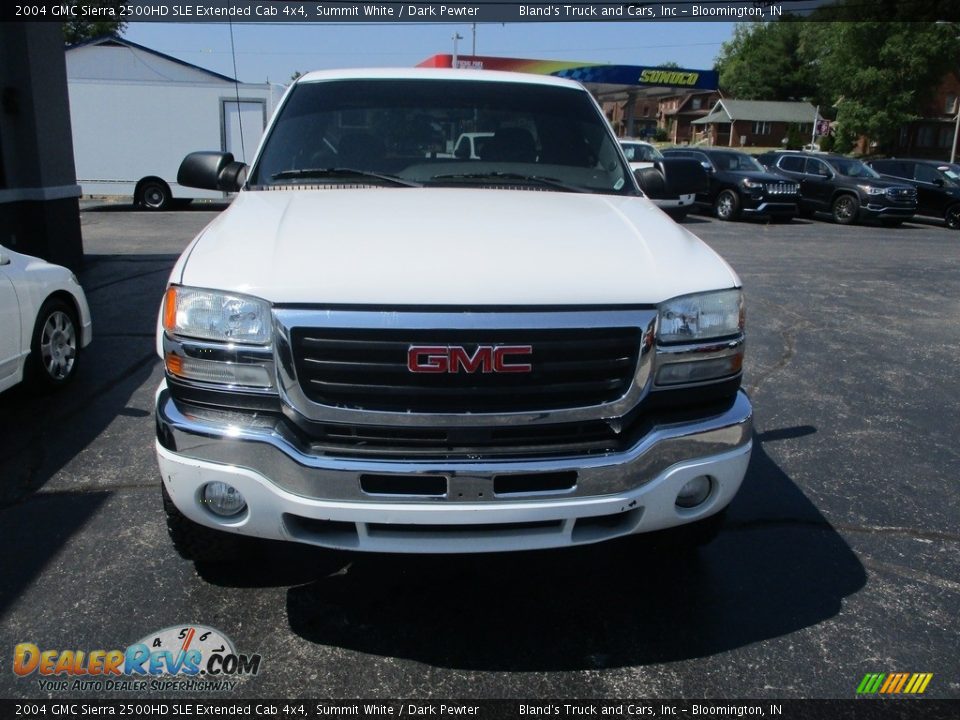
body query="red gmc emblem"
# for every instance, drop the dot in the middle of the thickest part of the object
(454, 358)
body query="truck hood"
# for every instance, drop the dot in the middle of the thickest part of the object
(449, 246)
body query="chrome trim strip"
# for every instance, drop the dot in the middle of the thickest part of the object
(286, 319)
(276, 455)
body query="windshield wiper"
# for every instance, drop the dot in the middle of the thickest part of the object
(341, 173)
(512, 177)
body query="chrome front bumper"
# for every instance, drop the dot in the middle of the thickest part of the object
(294, 495)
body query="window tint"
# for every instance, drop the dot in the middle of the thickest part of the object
(896, 168)
(790, 163)
(925, 173)
(816, 167)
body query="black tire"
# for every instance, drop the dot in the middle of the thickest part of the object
(727, 205)
(198, 543)
(54, 346)
(845, 209)
(154, 195)
(952, 217)
(678, 214)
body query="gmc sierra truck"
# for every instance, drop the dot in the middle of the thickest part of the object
(374, 349)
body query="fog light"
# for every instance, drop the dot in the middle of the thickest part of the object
(694, 492)
(222, 499)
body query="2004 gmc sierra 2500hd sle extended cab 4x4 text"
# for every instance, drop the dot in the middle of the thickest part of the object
(379, 349)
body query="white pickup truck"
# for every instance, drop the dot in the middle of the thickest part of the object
(377, 350)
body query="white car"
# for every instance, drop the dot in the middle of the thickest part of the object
(44, 321)
(641, 156)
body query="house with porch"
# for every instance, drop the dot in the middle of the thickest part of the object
(753, 123)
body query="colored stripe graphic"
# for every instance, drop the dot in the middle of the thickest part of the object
(894, 683)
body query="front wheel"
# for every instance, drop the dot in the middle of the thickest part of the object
(55, 346)
(952, 217)
(727, 205)
(845, 209)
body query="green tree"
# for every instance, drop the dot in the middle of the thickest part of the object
(82, 28)
(879, 74)
(763, 61)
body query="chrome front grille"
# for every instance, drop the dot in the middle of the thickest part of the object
(782, 188)
(367, 369)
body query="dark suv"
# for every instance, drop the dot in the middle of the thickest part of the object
(844, 187)
(740, 186)
(937, 184)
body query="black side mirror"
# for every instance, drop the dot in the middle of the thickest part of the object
(683, 176)
(939, 182)
(212, 170)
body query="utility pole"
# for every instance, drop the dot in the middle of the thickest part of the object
(956, 131)
(456, 37)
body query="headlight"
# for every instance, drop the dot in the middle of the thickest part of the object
(701, 317)
(751, 184)
(871, 190)
(214, 315)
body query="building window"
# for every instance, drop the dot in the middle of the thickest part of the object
(761, 127)
(950, 105)
(925, 136)
(946, 136)
(696, 103)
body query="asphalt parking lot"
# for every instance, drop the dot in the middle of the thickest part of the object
(841, 555)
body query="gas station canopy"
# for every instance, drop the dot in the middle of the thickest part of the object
(607, 82)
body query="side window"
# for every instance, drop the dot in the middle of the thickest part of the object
(791, 164)
(925, 173)
(894, 168)
(816, 167)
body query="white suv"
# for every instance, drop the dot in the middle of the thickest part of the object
(374, 349)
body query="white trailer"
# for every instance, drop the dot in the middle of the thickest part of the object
(136, 113)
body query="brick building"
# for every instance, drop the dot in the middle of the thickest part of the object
(932, 135)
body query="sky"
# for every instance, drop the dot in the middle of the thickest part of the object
(273, 51)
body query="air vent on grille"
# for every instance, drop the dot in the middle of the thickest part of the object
(367, 369)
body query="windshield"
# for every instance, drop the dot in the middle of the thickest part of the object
(735, 162)
(952, 174)
(441, 132)
(853, 168)
(641, 152)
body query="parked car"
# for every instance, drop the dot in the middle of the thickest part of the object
(937, 184)
(647, 162)
(44, 322)
(740, 186)
(564, 369)
(844, 187)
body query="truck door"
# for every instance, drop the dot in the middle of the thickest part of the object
(243, 124)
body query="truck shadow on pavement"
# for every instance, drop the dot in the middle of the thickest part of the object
(777, 567)
(57, 464)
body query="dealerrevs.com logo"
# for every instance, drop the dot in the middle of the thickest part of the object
(189, 658)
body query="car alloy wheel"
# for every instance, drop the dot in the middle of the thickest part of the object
(58, 345)
(845, 209)
(726, 205)
(953, 217)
